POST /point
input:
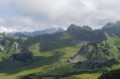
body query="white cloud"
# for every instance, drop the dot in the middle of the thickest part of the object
(61, 13)
(64, 12)
(21, 21)
(5, 29)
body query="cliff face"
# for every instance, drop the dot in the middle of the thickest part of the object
(20, 53)
(10, 49)
(100, 47)
(85, 34)
(99, 54)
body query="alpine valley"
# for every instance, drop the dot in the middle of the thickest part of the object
(77, 53)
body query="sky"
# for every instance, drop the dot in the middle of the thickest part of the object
(35, 15)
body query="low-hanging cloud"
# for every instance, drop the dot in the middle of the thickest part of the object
(8, 30)
(61, 13)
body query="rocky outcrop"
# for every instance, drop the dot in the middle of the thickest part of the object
(85, 34)
(20, 53)
(76, 59)
(97, 55)
(16, 51)
(1, 48)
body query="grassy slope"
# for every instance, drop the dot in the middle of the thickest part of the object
(84, 76)
(45, 60)
(111, 42)
(48, 59)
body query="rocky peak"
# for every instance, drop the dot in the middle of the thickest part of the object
(76, 29)
(85, 34)
(73, 28)
(20, 53)
(87, 27)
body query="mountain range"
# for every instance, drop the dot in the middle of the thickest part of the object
(38, 33)
(55, 53)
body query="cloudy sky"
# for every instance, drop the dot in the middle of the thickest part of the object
(32, 15)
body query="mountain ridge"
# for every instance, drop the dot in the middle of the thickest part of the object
(76, 48)
(38, 33)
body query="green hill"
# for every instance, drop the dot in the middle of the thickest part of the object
(76, 51)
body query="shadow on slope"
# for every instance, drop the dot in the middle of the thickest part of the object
(64, 39)
(50, 42)
(13, 68)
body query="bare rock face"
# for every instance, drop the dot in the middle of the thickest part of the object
(20, 53)
(16, 48)
(1, 48)
(79, 58)
(85, 34)
(76, 59)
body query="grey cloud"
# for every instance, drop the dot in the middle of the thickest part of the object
(8, 30)
(61, 13)
(5, 3)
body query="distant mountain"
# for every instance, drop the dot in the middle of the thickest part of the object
(48, 31)
(37, 33)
